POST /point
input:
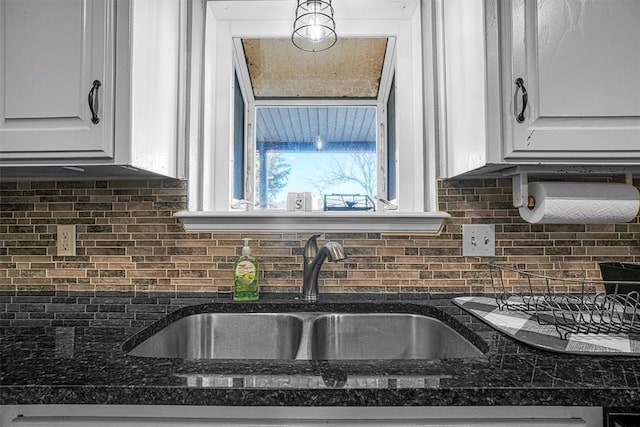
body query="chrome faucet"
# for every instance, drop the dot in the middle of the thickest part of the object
(313, 260)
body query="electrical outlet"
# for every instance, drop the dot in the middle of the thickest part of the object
(479, 240)
(66, 239)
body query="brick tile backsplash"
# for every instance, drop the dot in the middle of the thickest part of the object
(129, 241)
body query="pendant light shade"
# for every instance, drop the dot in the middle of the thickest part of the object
(314, 29)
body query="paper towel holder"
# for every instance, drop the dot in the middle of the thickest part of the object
(521, 195)
(520, 186)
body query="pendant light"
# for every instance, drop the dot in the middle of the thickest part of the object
(314, 29)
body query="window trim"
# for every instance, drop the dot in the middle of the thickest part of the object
(317, 222)
(212, 90)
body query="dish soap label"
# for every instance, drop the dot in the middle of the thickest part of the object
(245, 273)
(245, 276)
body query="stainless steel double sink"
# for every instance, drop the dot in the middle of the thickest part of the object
(307, 336)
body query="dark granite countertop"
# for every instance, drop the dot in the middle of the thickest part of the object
(59, 365)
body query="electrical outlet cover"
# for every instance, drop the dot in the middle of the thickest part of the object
(479, 240)
(66, 240)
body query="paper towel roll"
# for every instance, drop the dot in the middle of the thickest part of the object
(581, 202)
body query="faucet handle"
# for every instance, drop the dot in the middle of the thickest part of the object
(335, 251)
(311, 247)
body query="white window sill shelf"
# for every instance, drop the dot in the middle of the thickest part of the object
(392, 222)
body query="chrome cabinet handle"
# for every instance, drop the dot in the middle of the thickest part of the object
(520, 85)
(93, 102)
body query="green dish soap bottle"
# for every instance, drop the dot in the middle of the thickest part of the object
(245, 276)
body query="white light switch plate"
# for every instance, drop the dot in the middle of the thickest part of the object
(479, 240)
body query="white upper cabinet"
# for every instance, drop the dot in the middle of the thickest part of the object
(580, 64)
(51, 52)
(92, 88)
(577, 60)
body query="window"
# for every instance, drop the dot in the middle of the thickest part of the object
(316, 124)
(324, 150)
(239, 137)
(405, 149)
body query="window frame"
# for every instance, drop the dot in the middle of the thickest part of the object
(387, 80)
(216, 23)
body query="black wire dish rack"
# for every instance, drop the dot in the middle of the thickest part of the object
(572, 305)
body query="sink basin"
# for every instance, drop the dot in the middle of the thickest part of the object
(226, 336)
(306, 336)
(385, 336)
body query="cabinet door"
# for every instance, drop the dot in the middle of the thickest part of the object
(580, 64)
(51, 52)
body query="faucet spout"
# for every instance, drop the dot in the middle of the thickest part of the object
(313, 260)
